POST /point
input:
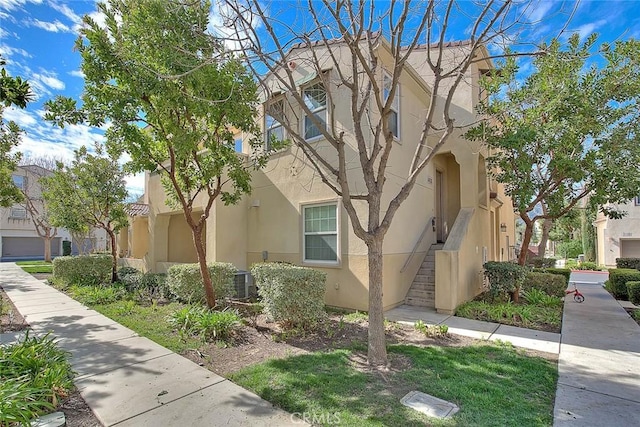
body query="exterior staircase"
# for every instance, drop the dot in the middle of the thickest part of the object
(422, 292)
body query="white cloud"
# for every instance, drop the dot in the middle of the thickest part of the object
(8, 51)
(135, 183)
(539, 10)
(68, 12)
(41, 83)
(10, 5)
(220, 17)
(22, 118)
(53, 27)
(586, 29)
(77, 73)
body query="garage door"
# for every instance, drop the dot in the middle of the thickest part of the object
(629, 248)
(28, 247)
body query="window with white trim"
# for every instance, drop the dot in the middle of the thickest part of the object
(315, 98)
(18, 212)
(237, 142)
(320, 231)
(273, 128)
(637, 200)
(394, 114)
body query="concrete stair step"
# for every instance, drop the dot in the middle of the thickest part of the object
(424, 294)
(423, 287)
(420, 302)
(426, 271)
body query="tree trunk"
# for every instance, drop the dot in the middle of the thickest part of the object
(47, 248)
(377, 352)
(524, 250)
(114, 256)
(204, 270)
(547, 224)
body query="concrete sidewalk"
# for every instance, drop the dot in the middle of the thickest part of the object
(599, 362)
(547, 342)
(129, 380)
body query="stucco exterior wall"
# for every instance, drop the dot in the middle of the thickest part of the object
(610, 233)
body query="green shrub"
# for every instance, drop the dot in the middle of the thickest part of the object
(85, 270)
(633, 290)
(185, 282)
(98, 295)
(146, 287)
(588, 265)
(542, 262)
(550, 284)
(538, 297)
(569, 249)
(504, 277)
(618, 278)
(217, 325)
(185, 318)
(34, 375)
(565, 272)
(628, 263)
(292, 295)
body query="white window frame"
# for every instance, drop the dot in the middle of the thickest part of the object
(637, 200)
(395, 105)
(326, 263)
(315, 111)
(277, 124)
(14, 212)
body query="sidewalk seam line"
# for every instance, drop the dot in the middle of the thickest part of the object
(85, 376)
(168, 402)
(598, 392)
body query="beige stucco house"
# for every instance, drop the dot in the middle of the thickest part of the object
(618, 238)
(455, 219)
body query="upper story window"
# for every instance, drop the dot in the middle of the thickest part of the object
(18, 212)
(315, 98)
(274, 131)
(320, 233)
(394, 115)
(637, 200)
(238, 145)
(20, 181)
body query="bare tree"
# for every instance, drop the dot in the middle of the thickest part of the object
(32, 201)
(350, 38)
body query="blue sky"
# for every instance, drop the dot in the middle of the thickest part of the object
(37, 38)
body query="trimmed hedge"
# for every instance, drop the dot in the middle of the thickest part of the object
(633, 289)
(84, 270)
(618, 278)
(147, 286)
(542, 262)
(550, 284)
(628, 263)
(291, 295)
(566, 272)
(504, 277)
(185, 282)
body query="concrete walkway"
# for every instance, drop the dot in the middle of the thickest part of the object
(599, 362)
(547, 342)
(129, 380)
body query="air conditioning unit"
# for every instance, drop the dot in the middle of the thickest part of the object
(243, 284)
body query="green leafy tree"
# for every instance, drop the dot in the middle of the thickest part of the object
(174, 98)
(13, 91)
(89, 193)
(568, 130)
(587, 216)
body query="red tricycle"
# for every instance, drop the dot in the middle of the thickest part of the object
(577, 296)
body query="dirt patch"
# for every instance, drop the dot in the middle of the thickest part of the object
(78, 413)
(266, 340)
(10, 318)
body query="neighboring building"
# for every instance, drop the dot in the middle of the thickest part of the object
(133, 240)
(292, 216)
(18, 236)
(618, 238)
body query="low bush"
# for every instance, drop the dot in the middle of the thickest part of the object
(431, 331)
(618, 278)
(218, 325)
(291, 295)
(94, 295)
(123, 272)
(588, 265)
(504, 277)
(542, 262)
(565, 272)
(628, 263)
(538, 297)
(146, 287)
(550, 284)
(85, 270)
(184, 320)
(633, 290)
(185, 282)
(531, 316)
(34, 375)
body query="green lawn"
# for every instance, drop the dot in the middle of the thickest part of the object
(36, 266)
(493, 385)
(32, 263)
